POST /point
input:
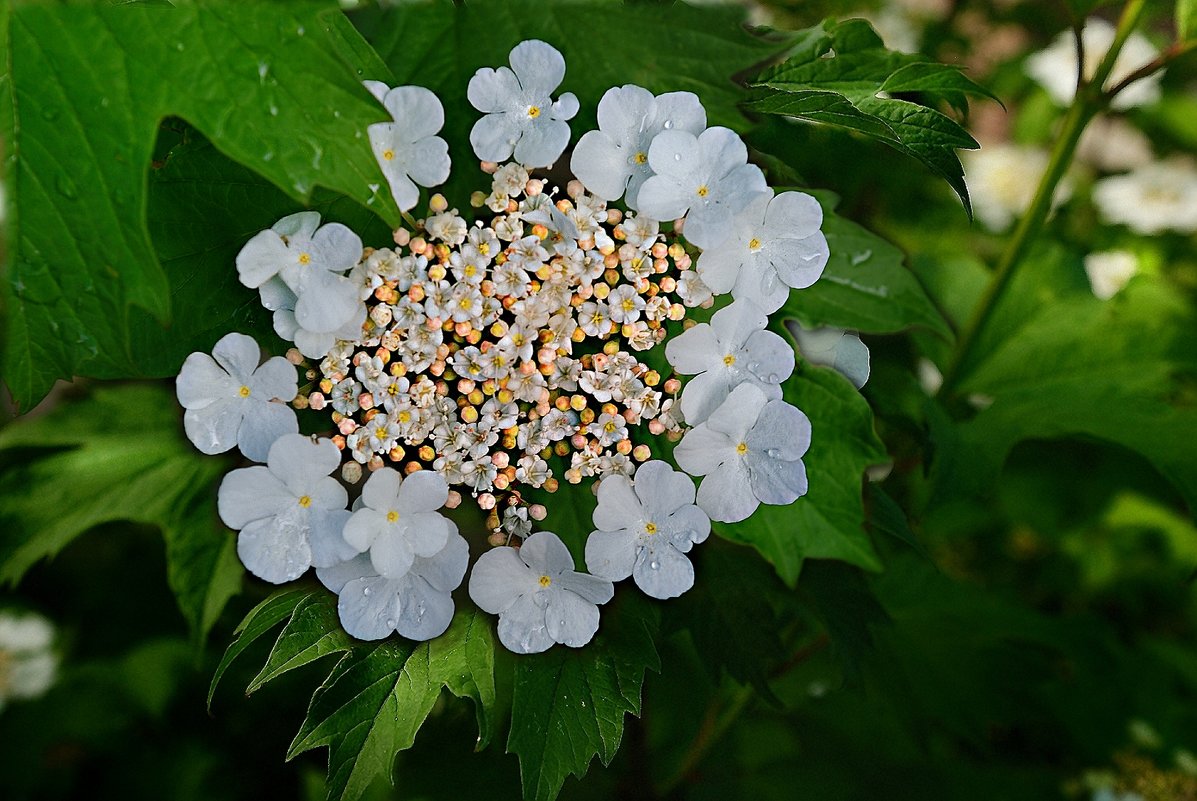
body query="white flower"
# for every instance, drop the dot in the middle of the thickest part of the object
(278, 297)
(614, 159)
(775, 245)
(707, 178)
(448, 226)
(230, 398)
(1114, 145)
(1002, 179)
(1109, 271)
(418, 605)
(625, 304)
(692, 289)
(539, 597)
(311, 260)
(644, 529)
(1055, 66)
(733, 349)
(835, 348)
(408, 149)
(290, 513)
(750, 450)
(520, 114)
(1158, 197)
(28, 664)
(398, 520)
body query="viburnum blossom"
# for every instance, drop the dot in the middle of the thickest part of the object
(491, 359)
(232, 400)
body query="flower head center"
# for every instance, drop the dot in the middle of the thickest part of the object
(243, 392)
(388, 154)
(650, 528)
(754, 244)
(392, 516)
(545, 582)
(729, 360)
(305, 501)
(533, 111)
(703, 190)
(305, 258)
(742, 448)
(640, 158)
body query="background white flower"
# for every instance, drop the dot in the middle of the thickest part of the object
(835, 348)
(1056, 70)
(732, 349)
(612, 162)
(750, 452)
(1002, 179)
(290, 512)
(398, 520)
(1160, 196)
(1109, 271)
(539, 597)
(775, 245)
(28, 664)
(707, 178)
(418, 605)
(230, 399)
(408, 149)
(521, 116)
(645, 528)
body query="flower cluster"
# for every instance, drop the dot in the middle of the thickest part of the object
(492, 358)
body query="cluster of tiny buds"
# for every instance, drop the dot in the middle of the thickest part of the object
(471, 361)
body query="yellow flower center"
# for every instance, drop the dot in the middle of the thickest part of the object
(610, 427)
(650, 528)
(729, 360)
(641, 157)
(545, 581)
(388, 154)
(305, 501)
(703, 191)
(405, 416)
(484, 249)
(305, 258)
(742, 448)
(470, 271)
(754, 244)
(243, 392)
(392, 516)
(534, 112)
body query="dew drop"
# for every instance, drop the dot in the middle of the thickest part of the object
(677, 156)
(268, 155)
(668, 124)
(274, 111)
(180, 46)
(66, 187)
(300, 31)
(772, 453)
(390, 622)
(366, 591)
(654, 565)
(773, 378)
(263, 68)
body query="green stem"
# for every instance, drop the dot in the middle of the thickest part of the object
(1089, 100)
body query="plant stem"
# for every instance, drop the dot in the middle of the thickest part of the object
(1088, 101)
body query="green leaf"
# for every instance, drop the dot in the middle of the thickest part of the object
(675, 48)
(377, 698)
(569, 705)
(841, 74)
(269, 84)
(116, 454)
(827, 522)
(865, 286)
(1124, 371)
(1186, 19)
(261, 619)
(314, 631)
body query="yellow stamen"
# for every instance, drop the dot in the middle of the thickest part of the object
(703, 191)
(650, 528)
(729, 360)
(534, 112)
(305, 258)
(742, 448)
(641, 158)
(305, 501)
(388, 154)
(392, 516)
(754, 244)
(545, 581)
(243, 392)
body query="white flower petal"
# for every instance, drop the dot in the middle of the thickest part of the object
(445, 570)
(201, 381)
(544, 551)
(424, 611)
(704, 393)
(491, 90)
(276, 379)
(702, 450)
(522, 627)
(302, 463)
(302, 224)
(251, 493)
(326, 302)
(542, 143)
(239, 355)
(539, 66)
(428, 161)
(601, 165)
(662, 489)
(213, 428)
(340, 574)
(494, 136)
(274, 549)
(418, 112)
(694, 350)
(391, 553)
(775, 481)
(381, 489)
(325, 537)
(261, 258)
(499, 578)
(426, 532)
(571, 619)
(736, 322)
(726, 494)
(770, 357)
(611, 554)
(422, 491)
(618, 507)
(369, 608)
(363, 527)
(264, 422)
(663, 573)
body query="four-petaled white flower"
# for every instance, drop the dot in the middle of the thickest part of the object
(645, 528)
(418, 605)
(311, 259)
(750, 452)
(775, 245)
(835, 348)
(398, 520)
(521, 116)
(408, 149)
(734, 348)
(539, 597)
(290, 512)
(612, 162)
(707, 178)
(230, 398)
